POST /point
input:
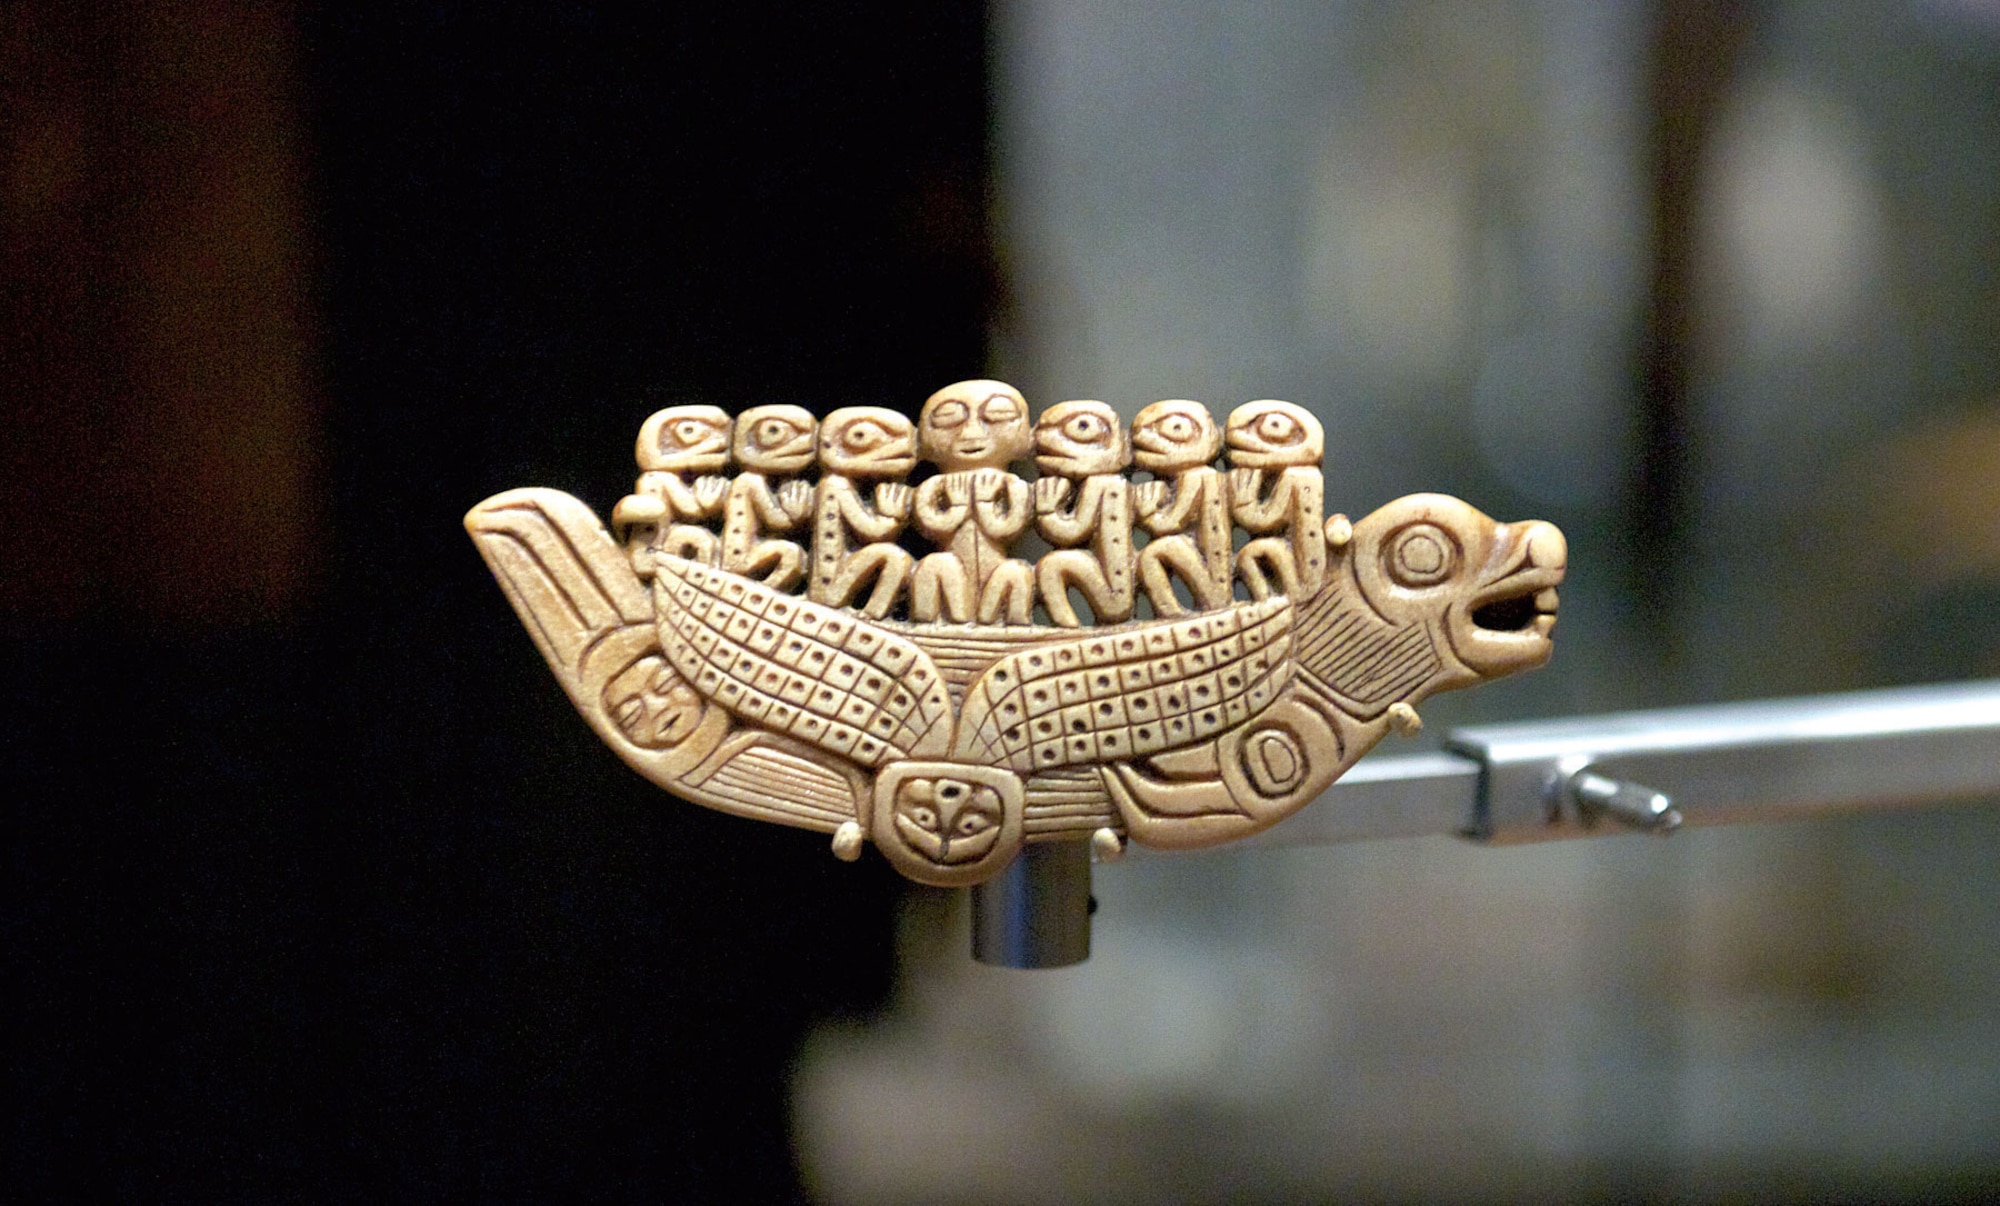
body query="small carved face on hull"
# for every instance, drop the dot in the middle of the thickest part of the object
(1174, 436)
(1489, 587)
(1078, 439)
(1274, 435)
(685, 439)
(949, 820)
(775, 439)
(652, 705)
(947, 824)
(975, 425)
(867, 441)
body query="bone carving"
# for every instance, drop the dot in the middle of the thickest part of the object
(916, 704)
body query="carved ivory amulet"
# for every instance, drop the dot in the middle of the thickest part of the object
(817, 701)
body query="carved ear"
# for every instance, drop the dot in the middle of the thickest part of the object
(568, 582)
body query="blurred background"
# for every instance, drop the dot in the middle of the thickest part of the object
(317, 888)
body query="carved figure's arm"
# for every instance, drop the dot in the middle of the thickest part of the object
(756, 496)
(1184, 498)
(1069, 527)
(937, 516)
(1260, 515)
(1003, 523)
(859, 516)
(668, 487)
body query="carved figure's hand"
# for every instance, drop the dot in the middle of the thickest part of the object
(1149, 497)
(708, 492)
(986, 484)
(892, 499)
(957, 488)
(1050, 493)
(1244, 483)
(796, 497)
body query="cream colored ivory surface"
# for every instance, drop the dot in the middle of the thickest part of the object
(752, 633)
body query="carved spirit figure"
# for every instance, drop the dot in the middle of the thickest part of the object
(772, 443)
(951, 746)
(862, 444)
(975, 509)
(665, 509)
(1082, 446)
(1178, 442)
(1286, 442)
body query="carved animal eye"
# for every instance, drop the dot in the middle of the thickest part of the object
(923, 818)
(999, 409)
(1279, 428)
(1422, 554)
(773, 432)
(689, 432)
(950, 414)
(1178, 428)
(862, 436)
(971, 823)
(1085, 429)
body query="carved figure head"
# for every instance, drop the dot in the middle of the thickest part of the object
(1077, 439)
(652, 705)
(775, 439)
(1274, 435)
(975, 425)
(948, 821)
(1175, 435)
(1488, 587)
(685, 439)
(867, 441)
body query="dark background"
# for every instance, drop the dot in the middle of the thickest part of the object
(317, 885)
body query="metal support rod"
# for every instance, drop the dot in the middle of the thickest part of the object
(1742, 762)
(1712, 765)
(1563, 778)
(1036, 913)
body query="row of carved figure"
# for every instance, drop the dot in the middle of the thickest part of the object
(975, 509)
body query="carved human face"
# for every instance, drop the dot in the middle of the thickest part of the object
(949, 821)
(1077, 439)
(775, 439)
(1175, 436)
(1274, 435)
(975, 425)
(652, 705)
(685, 439)
(867, 441)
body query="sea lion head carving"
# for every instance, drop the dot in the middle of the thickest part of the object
(685, 439)
(867, 441)
(776, 439)
(1175, 435)
(1270, 434)
(1079, 439)
(1489, 587)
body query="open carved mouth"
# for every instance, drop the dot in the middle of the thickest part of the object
(1517, 612)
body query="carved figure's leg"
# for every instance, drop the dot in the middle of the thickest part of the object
(1009, 596)
(685, 540)
(1057, 572)
(1273, 552)
(941, 589)
(780, 563)
(1172, 557)
(890, 567)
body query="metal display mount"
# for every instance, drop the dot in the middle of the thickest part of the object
(1584, 777)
